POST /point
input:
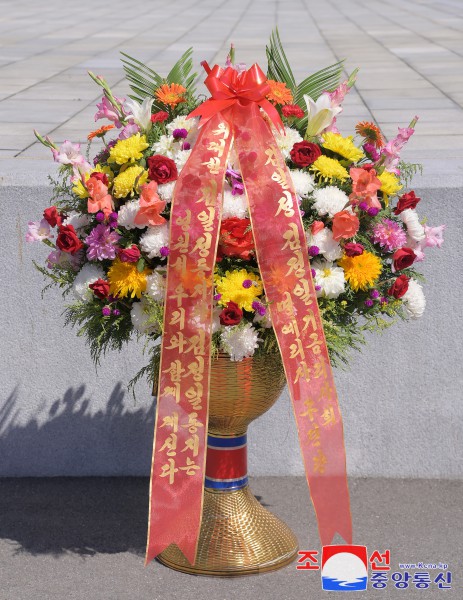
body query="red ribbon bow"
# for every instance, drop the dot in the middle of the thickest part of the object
(231, 90)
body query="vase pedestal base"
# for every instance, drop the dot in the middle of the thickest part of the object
(238, 537)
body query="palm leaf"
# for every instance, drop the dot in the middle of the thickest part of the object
(144, 81)
(278, 65)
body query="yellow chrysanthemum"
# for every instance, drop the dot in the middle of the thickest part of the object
(231, 288)
(344, 146)
(129, 181)
(79, 188)
(390, 184)
(126, 280)
(329, 168)
(128, 150)
(361, 272)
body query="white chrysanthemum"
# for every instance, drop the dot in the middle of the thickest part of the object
(286, 142)
(329, 200)
(414, 228)
(181, 122)
(87, 275)
(329, 277)
(216, 325)
(414, 300)
(77, 220)
(324, 241)
(240, 341)
(180, 158)
(302, 181)
(140, 315)
(156, 286)
(234, 206)
(263, 320)
(154, 239)
(166, 146)
(166, 191)
(127, 213)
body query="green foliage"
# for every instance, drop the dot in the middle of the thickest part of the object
(408, 171)
(150, 372)
(101, 333)
(63, 278)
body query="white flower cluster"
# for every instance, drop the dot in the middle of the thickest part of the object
(414, 300)
(87, 275)
(154, 239)
(240, 341)
(140, 315)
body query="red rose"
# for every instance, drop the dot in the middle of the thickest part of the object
(231, 314)
(353, 249)
(292, 110)
(162, 169)
(100, 288)
(52, 216)
(305, 153)
(403, 258)
(368, 167)
(406, 201)
(100, 177)
(399, 287)
(159, 117)
(236, 238)
(67, 240)
(130, 255)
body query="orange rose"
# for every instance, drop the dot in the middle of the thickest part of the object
(345, 225)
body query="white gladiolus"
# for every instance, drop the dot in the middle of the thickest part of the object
(140, 113)
(415, 229)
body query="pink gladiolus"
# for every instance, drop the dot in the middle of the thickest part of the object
(128, 131)
(391, 151)
(106, 110)
(99, 197)
(337, 97)
(150, 206)
(434, 236)
(68, 154)
(38, 231)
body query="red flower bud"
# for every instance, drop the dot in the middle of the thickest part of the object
(52, 216)
(100, 288)
(231, 314)
(406, 201)
(353, 249)
(399, 287)
(100, 177)
(403, 258)
(305, 153)
(130, 255)
(67, 240)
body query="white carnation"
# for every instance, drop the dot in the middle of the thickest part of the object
(414, 228)
(329, 200)
(77, 220)
(156, 286)
(324, 241)
(414, 300)
(140, 315)
(181, 122)
(165, 146)
(240, 341)
(127, 213)
(286, 142)
(234, 206)
(302, 181)
(154, 239)
(329, 278)
(87, 275)
(166, 191)
(180, 157)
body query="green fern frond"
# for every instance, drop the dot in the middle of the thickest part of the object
(278, 65)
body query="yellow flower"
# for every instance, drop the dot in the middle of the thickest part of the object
(129, 181)
(343, 146)
(79, 188)
(390, 184)
(128, 150)
(125, 279)
(231, 288)
(329, 168)
(361, 272)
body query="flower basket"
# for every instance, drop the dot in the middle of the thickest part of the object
(238, 232)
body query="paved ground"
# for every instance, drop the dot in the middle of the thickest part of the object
(409, 51)
(83, 539)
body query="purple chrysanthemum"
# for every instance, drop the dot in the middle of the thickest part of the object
(102, 243)
(389, 235)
